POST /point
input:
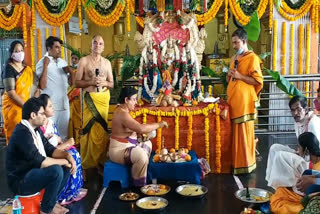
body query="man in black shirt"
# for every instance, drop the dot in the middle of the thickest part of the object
(33, 163)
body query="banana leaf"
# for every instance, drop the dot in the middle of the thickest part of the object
(253, 27)
(264, 55)
(129, 67)
(75, 51)
(212, 73)
(114, 56)
(283, 84)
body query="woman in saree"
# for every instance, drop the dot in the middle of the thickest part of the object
(287, 200)
(72, 191)
(17, 79)
(124, 147)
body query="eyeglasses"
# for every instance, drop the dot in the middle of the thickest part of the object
(299, 109)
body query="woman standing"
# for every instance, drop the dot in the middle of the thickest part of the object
(17, 79)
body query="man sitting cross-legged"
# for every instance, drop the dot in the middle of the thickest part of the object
(33, 163)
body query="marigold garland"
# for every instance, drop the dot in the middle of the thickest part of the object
(300, 70)
(206, 135)
(218, 139)
(291, 48)
(283, 48)
(128, 15)
(56, 19)
(24, 25)
(33, 16)
(308, 58)
(212, 12)
(80, 14)
(8, 23)
(105, 20)
(62, 38)
(177, 129)
(47, 32)
(270, 14)
(226, 13)
(190, 132)
(292, 14)
(39, 43)
(32, 50)
(159, 134)
(54, 33)
(144, 118)
(242, 18)
(274, 60)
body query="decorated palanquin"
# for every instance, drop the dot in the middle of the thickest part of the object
(169, 71)
(205, 128)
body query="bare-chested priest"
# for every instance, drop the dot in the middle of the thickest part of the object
(124, 147)
(94, 76)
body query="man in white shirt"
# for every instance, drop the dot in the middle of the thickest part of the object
(285, 165)
(53, 80)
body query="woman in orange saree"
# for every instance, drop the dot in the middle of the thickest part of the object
(17, 79)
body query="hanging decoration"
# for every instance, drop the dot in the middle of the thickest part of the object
(241, 17)
(283, 48)
(39, 44)
(33, 16)
(62, 38)
(211, 14)
(107, 15)
(24, 25)
(190, 132)
(128, 15)
(218, 139)
(56, 19)
(307, 58)
(32, 50)
(159, 133)
(270, 14)
(47, 32)
(177, 129)
(54, 33)
(80, 14)
(274, 55)
(8, 23)
(291, 48)
(300, 70)
(226, 13)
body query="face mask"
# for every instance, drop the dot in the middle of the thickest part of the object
(240, 51)
(19, 56)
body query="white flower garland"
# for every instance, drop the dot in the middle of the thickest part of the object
(175, 78)
(154, 85)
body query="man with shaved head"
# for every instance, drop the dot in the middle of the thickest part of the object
(94, 76)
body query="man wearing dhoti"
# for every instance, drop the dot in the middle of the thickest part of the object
(124, 148)
(245, 82)
(286, 165)
(94, 76)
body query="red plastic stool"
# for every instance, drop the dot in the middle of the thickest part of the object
(30, 203)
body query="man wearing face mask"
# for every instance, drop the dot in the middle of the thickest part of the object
(53, 80)
(94, 76)
(245, 82)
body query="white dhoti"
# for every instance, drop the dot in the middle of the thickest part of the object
(284, 166)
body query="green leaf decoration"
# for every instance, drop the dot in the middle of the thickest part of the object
(73, 50)
(90, 3)
(194, 5)
(221, 75)
(253, 27)
(129, 67)
(283, 84)
(114, 56)
(263, 56)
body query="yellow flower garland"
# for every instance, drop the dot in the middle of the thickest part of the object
(8, 23)
(32, 50)
(190, 132)
(291, 48)
(144, 118)
(291, 14)
(105, 20)
(54, 33)
(210, 14)
(210, 90)
(39, 43)
(128, 15)
(226, 13)
(270, 14)
(177, 129)
(218, 139)
(56, 19)
(33, 16)
(62, 38)
(47, 33)
(239, 14)
(159, 134)
(308, 58)
(274, 60)
(80, 14)
(283, 48)
(300, 71)
(206, 136)
(24, 25)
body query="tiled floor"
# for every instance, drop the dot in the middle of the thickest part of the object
(219, 200)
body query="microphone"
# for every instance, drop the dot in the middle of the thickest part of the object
(97, 74)
(236, 62)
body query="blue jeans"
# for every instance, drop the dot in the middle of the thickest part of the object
(313, 187)
(52, 179)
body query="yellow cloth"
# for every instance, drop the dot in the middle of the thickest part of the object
(12, 113)
(93, 145)
(242, 98)
(285, 201)
(75, 114)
